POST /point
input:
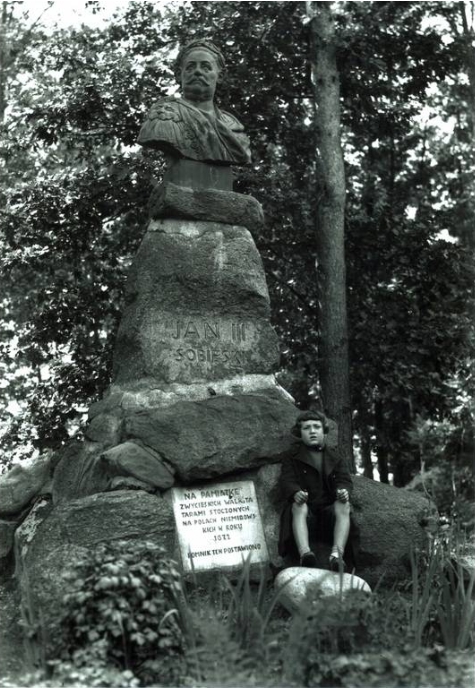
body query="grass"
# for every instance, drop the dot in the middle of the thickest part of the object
(237, 634)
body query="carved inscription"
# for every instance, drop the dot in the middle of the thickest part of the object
(210, 342)
(192, 329)
(219, 526)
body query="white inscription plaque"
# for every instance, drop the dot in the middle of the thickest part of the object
(219, 525)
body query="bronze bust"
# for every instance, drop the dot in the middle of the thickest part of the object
(193, 127)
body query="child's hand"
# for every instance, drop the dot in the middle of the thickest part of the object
(342, 495)
(301, 497)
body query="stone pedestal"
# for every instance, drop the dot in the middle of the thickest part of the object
(193, 395)
(193, 174)
(197, 308)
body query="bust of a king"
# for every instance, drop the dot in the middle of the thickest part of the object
(193, 127)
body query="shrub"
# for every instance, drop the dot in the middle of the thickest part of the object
(235, 640)
(390, 668)
(124, 610)
(390, 638)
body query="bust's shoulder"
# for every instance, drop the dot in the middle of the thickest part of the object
(166, 108)
(230, 121)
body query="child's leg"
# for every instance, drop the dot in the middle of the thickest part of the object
(341, 529)
(300, 528)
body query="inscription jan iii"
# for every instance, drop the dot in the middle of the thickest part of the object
(185, 348)
(210, 342)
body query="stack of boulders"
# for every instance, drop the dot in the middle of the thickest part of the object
(194, 399)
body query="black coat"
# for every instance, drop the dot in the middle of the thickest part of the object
(297, 474)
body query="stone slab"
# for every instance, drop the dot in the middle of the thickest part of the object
(149, 393)
(219, 526)
(217, 436)
(297, 586)
(130, 459)
(197, 307)
(179, 201)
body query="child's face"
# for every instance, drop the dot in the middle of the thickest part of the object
(311, 432)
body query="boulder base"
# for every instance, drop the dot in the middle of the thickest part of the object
(216, 205)
(182, 442)
(48, 541)
(216, 436)
(391, 523)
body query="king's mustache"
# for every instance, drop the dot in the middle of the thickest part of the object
(197, 80)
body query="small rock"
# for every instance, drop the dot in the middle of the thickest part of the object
(22, 483)
(105, 428)
(133, 461)
(296, 585)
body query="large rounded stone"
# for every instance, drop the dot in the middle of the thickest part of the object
(197, 307)
(296, 586)
(390, 520)
(216, 436)
(45, 546)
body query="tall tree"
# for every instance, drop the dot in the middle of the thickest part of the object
(330, 224)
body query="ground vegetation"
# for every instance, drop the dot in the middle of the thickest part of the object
(129, 619)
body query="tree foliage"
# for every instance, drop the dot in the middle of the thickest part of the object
(75, 204)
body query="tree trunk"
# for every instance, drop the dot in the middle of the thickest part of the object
(3, 59)
(331, 270)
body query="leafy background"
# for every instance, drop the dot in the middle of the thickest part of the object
(74, 187)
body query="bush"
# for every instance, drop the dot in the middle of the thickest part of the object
(400, 637)
(124, 611)
(390, 669)
(233, 643)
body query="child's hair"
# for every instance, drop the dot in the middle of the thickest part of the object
(309, 415)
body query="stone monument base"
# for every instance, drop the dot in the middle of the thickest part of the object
(210, 205)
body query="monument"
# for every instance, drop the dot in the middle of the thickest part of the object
(184, 447)
(193, 398)
(195, 355)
